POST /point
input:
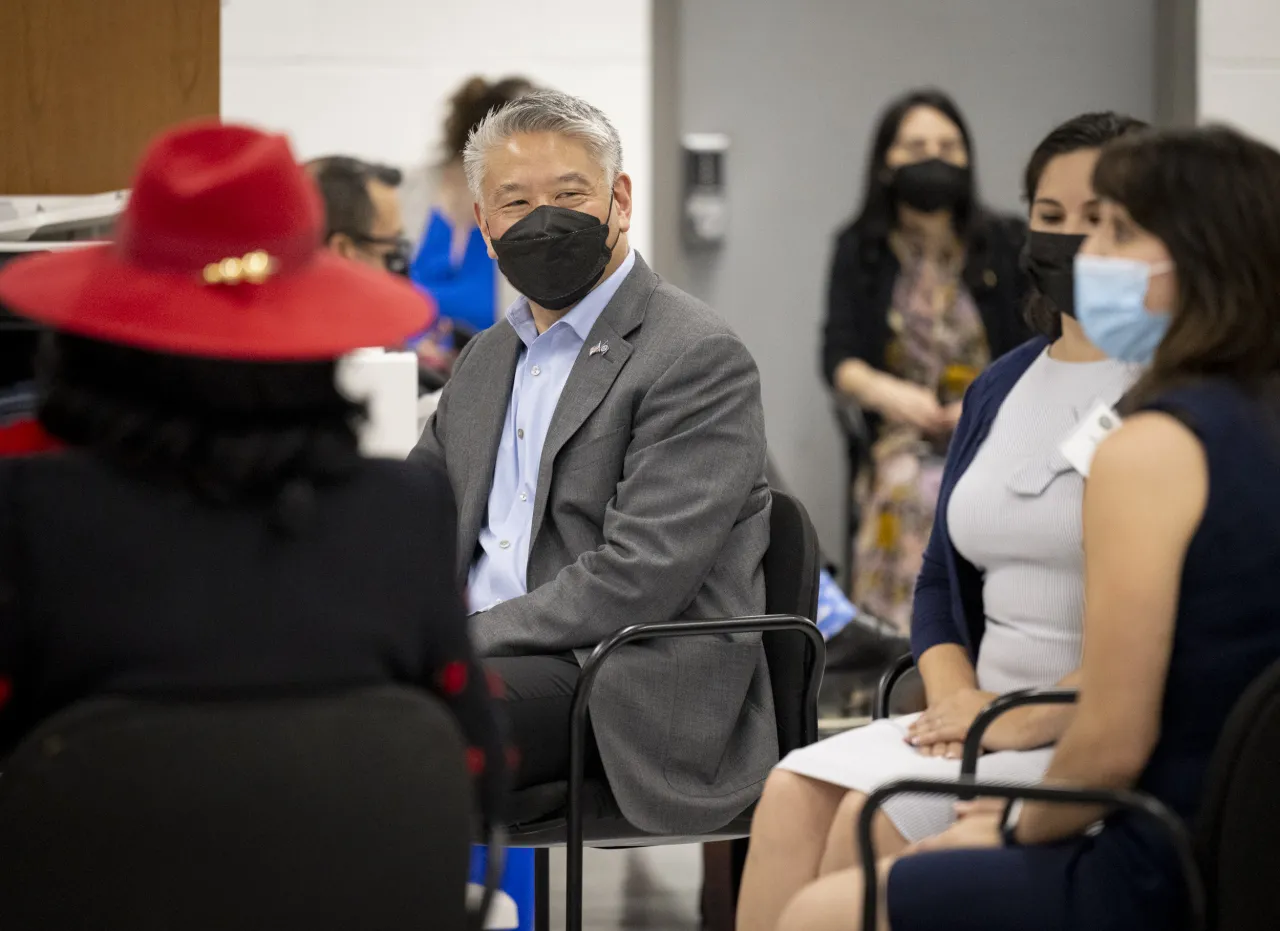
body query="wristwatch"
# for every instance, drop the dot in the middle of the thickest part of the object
(1009, 823)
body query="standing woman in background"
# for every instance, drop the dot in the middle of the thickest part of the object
(925, 290)
(452, 261)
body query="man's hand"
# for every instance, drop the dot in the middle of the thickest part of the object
(940, 731)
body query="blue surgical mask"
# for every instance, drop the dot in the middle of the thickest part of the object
(1111, 305)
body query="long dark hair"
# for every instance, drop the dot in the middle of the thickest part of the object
(1086, 131)
(879, 213)
(234, 433)
(1212, 196)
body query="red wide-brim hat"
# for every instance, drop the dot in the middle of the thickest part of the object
(218, 254)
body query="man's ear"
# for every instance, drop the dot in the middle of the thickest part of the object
(341, 244)
(484, 230)
(622, 201)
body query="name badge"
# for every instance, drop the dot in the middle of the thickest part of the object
(1079, 447)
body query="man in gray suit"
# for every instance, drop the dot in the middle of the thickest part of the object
(606, 446)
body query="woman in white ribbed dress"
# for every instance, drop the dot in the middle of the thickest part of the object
(1000, 600)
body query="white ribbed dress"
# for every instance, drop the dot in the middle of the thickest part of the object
(1015, 514)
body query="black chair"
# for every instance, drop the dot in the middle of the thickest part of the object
(1236, 835)
(900, 671)
(329, 812)
(582, 812)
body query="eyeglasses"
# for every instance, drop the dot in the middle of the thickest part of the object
(396, 259)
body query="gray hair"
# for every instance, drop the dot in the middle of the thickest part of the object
(543, 112)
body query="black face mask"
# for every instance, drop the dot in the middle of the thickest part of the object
(1049, 261)
(554, 256)
(931, 185)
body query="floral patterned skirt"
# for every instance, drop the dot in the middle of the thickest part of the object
(897, 516)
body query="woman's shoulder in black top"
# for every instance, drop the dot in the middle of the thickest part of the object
(864, 269)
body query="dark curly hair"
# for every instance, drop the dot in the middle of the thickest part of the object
(234, 433)
(1086, 131)
(471, 103)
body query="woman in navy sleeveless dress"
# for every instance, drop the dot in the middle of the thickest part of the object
(1182, 555)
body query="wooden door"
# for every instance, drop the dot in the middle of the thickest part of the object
(85, 83)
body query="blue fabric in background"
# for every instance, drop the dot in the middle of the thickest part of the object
(835, 610)
(517, 879)
(465, 293)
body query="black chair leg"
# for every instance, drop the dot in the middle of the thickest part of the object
(573, 884)
(542, 889)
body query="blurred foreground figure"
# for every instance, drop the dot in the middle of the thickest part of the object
(210, 528)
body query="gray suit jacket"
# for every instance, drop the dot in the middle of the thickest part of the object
(651, 505)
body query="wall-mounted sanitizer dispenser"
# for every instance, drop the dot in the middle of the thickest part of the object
(706, 207)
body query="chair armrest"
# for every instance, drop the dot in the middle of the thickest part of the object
(884, 691)
(634, 634)
(1004, 703)
(1136, 802)
(765, 623)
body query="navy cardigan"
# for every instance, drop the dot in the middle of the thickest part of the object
(948, 604)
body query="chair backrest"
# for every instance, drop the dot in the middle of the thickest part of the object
(335, 812)
(1238, 829)
(791, 568)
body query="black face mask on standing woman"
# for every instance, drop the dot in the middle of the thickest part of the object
(931, 185)
(554, 256)
(1049, 261)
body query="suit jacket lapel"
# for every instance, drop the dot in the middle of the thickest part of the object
(484, 414)
(593, 375)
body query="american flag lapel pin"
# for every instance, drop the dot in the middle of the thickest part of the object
(598, 349)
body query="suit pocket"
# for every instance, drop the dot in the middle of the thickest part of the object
(720, 739)
(594, 448)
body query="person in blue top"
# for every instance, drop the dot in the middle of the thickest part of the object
(452, 260)
(1182, 555)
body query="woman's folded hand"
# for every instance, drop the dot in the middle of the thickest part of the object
(940, 731)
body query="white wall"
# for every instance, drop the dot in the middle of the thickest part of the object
(371, 77)
(1240, 65)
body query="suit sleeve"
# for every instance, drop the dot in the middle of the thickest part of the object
(451, 670)
(844, 335)
(431, 446)
(697, 450)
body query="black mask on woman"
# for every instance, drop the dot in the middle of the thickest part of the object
(1049, 261)
(931, 185)
(554, 256)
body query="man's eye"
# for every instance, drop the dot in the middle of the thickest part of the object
(515, 203)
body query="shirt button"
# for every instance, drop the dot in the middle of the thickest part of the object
(536, 370)
(504, 544)
(520, 433)
(523, 496)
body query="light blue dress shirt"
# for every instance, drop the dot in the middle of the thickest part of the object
(499, 573)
